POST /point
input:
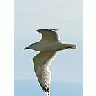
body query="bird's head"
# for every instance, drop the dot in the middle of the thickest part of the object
(32, 46)
(27, 48)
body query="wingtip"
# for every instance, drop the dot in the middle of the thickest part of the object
(46, 89)
(48, 94)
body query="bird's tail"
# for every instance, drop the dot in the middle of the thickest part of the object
(69, 46)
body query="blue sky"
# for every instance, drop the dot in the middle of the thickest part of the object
(66, 15)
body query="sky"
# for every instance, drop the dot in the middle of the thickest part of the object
(67, 67)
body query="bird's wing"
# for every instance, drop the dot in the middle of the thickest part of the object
(49, 35)
(41, 67)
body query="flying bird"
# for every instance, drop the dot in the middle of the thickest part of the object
(48, 46)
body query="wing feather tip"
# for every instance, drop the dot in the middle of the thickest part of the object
(46, 89)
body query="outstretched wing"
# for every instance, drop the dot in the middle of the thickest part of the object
(41, 67)
(49, 35)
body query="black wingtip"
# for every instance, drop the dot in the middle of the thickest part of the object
(46, 89)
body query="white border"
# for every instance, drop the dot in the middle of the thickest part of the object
(89, 38)
(7, 48)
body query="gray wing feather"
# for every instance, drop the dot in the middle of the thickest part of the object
(49, 35)
(41, 65)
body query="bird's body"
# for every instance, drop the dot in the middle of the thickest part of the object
(48, 47)
(43, 46)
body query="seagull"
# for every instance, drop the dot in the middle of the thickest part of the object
(48, 46)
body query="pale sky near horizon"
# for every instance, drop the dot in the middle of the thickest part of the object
(65, 15)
